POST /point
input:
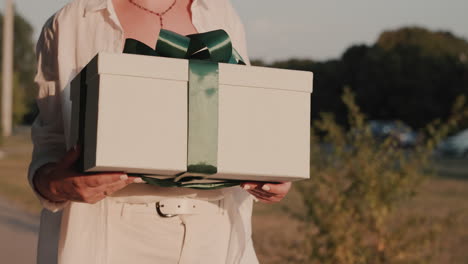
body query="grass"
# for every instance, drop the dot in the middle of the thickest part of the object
(13, 172)
(443, 200)
(277, 237)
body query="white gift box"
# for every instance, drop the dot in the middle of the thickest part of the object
(134, 112)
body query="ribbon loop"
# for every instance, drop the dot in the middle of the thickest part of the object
(214, 46)
(216, 42)
(172, 45)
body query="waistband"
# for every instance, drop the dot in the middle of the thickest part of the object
(170, 207)
(144, 193)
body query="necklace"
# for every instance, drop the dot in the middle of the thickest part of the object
(158, 14)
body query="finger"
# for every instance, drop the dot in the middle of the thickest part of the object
(100, 179)
(110, 188)
(261, 194)
(249, 185)
(273, 198)
(71, 157)
(266, 199)
(276, 188)
(96, 198)
(114, 187)
(94, 195)
(80, 195)
(136, 180)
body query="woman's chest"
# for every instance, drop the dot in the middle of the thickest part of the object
(142, 20)
(106, 31)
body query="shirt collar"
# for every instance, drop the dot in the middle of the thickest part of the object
(95, 5)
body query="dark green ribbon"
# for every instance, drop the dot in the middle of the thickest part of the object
(214, 46)
(204, 51)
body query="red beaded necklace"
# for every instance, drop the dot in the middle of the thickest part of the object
(158, 14)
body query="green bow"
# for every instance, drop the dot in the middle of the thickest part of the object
(204, 52)
(214, 46)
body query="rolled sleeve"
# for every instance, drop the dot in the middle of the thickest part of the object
(47, 131)
(49, 147)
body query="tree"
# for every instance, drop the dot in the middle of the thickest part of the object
(24, 68)
(442, 43)
(410, 74)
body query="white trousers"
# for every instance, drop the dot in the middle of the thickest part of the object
(137, 234)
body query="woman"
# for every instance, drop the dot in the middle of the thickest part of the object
(105, 217)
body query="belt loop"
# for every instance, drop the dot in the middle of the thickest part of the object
(221, 206)
(123, 211)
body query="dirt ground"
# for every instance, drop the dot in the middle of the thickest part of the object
(18, 239)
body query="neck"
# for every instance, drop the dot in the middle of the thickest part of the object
(154, 5)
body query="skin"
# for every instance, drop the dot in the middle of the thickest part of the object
(145, 27)
(60, 182)
(268, 192)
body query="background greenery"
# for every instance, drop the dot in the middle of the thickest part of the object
(410, 74)
(24, 107)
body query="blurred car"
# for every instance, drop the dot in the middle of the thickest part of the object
(402, 133)
(455, 146)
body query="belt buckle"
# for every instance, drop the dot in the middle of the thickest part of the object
(158, 210)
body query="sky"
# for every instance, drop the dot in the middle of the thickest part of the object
(315, 29)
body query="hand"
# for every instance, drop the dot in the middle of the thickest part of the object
(59, 182)
(267, 192)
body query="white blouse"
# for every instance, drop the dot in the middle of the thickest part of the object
(69, 40)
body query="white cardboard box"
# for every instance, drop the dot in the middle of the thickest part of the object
(136, 118)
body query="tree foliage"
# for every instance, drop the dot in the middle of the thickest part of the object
(442, 43)
(24, 69)
(356, 185)
(411, 74)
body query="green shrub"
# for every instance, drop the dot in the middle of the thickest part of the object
(356, 184)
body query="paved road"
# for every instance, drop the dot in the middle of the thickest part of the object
(18, 235)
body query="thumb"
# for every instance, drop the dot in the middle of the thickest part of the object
(71, 157)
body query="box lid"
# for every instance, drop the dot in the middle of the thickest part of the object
(177, 69)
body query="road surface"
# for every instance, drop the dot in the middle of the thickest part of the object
(18, 234)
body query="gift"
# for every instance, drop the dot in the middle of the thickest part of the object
(193, 111)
